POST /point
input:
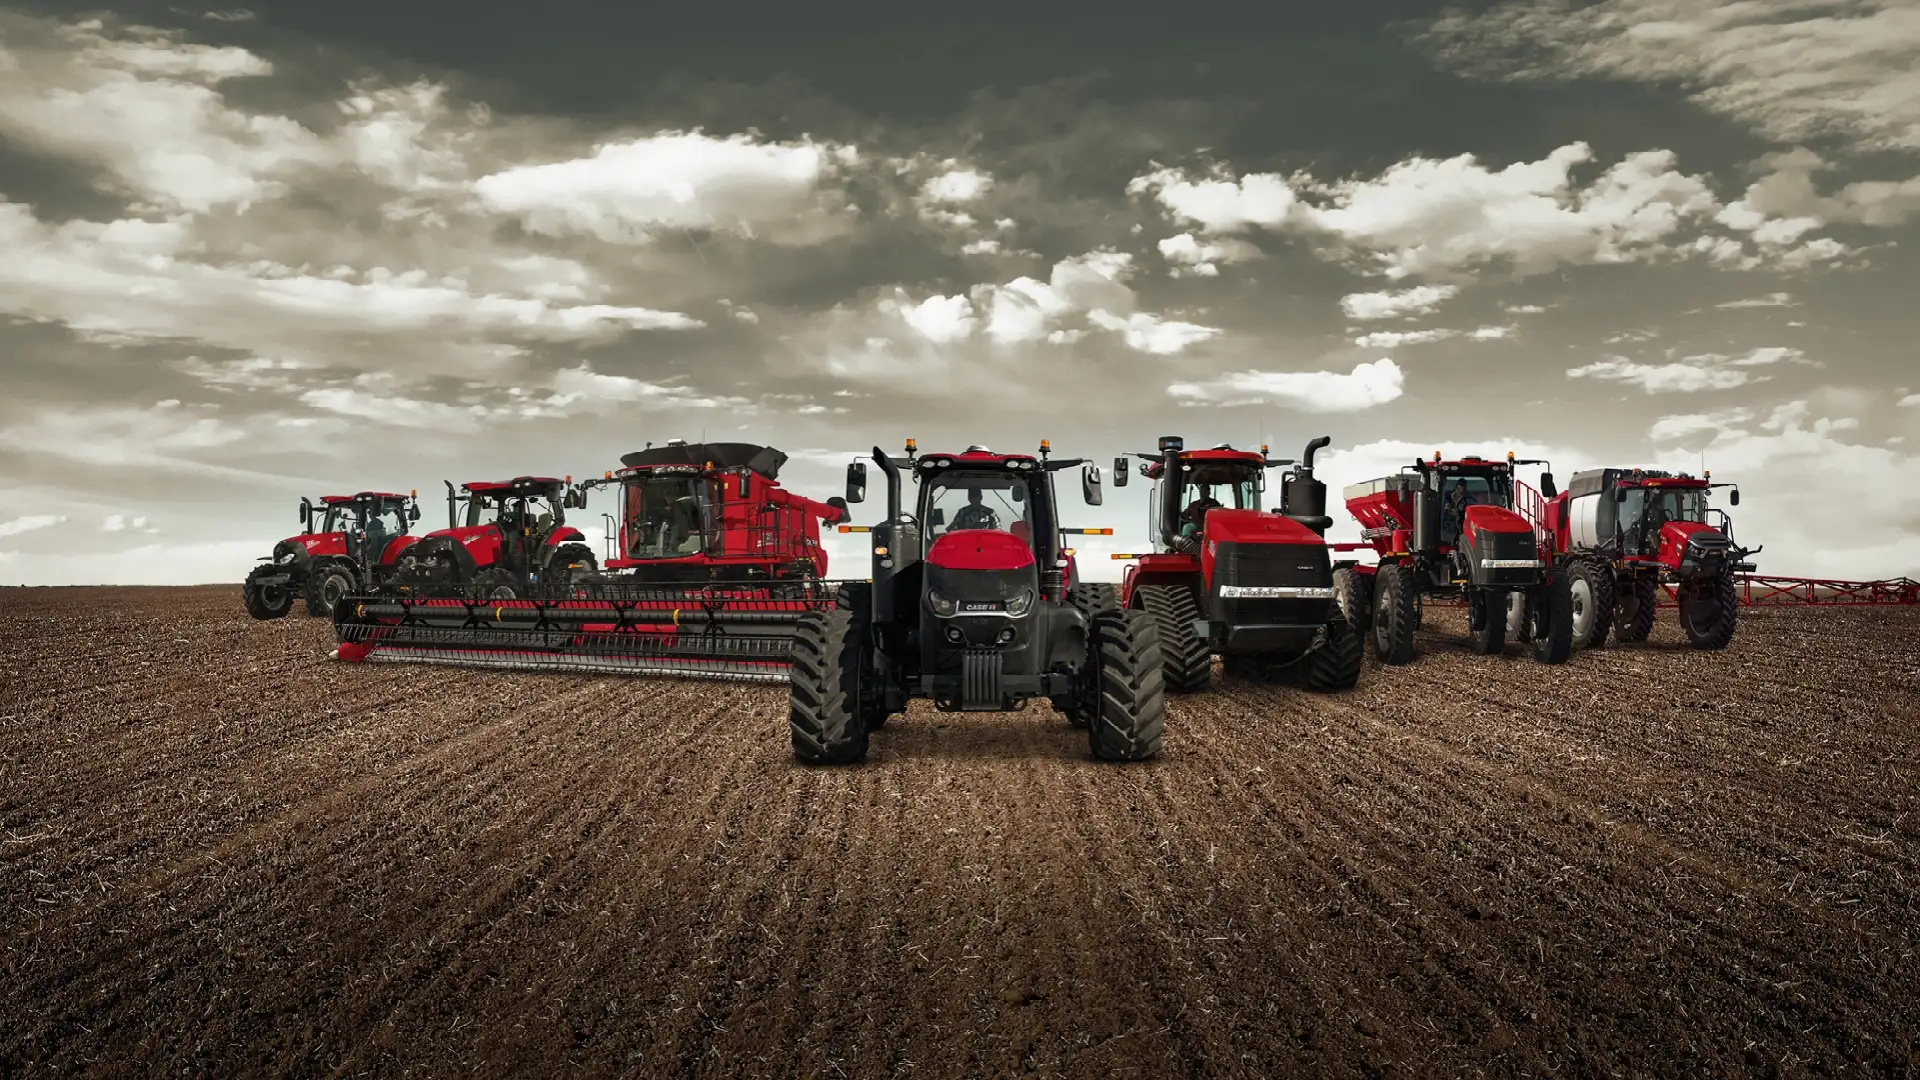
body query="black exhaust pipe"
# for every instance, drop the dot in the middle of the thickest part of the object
(1304, 499)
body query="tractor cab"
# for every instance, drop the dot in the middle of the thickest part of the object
(366, 523)
(1191, 485)
(1464, 484)
(525, 512)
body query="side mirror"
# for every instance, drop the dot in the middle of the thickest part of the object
(1733, 497)
(1018, 493)
(1619, 495)
(938, 519)
(857, 482)
(413, 513)
(1119, 472)
(839, 504)
(740, 489)
(1548, 489)
(1090, 485)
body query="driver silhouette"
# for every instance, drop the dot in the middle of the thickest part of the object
(975, 515)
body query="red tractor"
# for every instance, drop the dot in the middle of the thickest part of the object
(972, 604)
(1227, 577)
(504, 536)
(1619, 533)
(1450, 529)
(716, 565)
(356, 544)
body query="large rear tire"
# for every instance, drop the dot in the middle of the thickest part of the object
(824, 709)
(1394, 616)
(266, 601)
(1353, 592)
(1129, 719)
(1634, 608)
(1553, 619)
(495, 583)
(1592, 586)
(326, 587)
(1187, 656)
(1335, 665)
(1710, 612)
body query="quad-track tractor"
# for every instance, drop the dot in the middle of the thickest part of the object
(974, 604)
(347, 544)
(1450, 529)
(715, 567)
(1620, 533)
(1227, 577)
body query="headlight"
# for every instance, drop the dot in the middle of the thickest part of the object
(1020, 603)
(941, 606)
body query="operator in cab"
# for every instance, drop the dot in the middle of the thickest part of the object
(976, 514)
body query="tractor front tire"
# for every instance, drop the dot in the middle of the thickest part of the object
(1353, 592)
(1188, 658)
(266, 601)
(1592, 586)
(1553, 619)
(1335, 665)
(1634, 608)
(326, 587)
(1129, 717)
(1394, 613)
(1486, 626)
(1710, 612)
(1092, 598)
(825, 713)
(570, 563)
(494, 583)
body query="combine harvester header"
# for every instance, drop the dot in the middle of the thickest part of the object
(717, 564)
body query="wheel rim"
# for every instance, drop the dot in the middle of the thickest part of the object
(500, 592)
(273, 595)
(1516, 614)
(1582, 608)
(336, 588)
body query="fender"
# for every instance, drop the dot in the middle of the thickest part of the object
(438, 544)
(391, 553)
(1159, 568)
(564, 535)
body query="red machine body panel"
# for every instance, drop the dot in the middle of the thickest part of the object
(322, 545)
(980, 549)
(1673, 540)
(1494, 519)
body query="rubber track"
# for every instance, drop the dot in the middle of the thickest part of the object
(1188, 658)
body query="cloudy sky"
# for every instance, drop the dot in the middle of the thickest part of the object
(298, 248)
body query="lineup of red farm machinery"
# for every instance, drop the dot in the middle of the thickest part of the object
(974, 598)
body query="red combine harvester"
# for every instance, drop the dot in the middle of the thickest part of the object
(1254, 586)
(1619, 533)
(502, 537)
(1450, 529)
(716, 565)
(356, 546)
(973, 604)
(716, 512)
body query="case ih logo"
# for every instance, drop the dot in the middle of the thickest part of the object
(979, 607)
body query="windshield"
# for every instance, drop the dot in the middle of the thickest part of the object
(664, 517)
(1461, 490)
(513, 513)
(334, 521)
(977, 500)
(386, 519)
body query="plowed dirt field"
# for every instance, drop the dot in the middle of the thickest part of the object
(221, 854)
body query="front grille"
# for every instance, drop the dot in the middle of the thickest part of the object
(1269, 585)
(1272, 565)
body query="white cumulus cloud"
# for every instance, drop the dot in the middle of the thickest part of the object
(1418, 300)
(1367, 385)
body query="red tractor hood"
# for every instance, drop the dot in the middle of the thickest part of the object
(318, 545)
(1494, 519)
(979, 549)
(1256, 527)
(1675, 535)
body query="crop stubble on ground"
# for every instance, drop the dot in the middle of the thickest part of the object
(221, 853)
